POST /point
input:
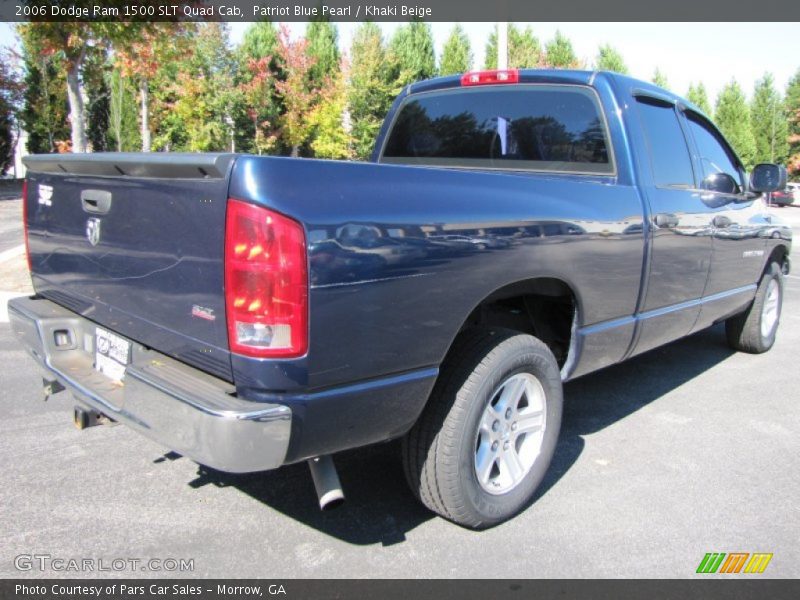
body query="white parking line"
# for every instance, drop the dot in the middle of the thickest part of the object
(12, 253)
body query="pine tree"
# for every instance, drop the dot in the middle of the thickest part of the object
(698, 96)
(609, 59)
(660, 79)
(324, 50)
(258, 70)
(770, 128)
(793, 118)
(123, 132)
(732, 115)
(524, 49)
(560, 54)
(9, 104)
(44, 100)
(370, 90)
(411, 53)
(457, 54)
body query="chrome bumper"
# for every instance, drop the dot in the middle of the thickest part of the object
(178, 406)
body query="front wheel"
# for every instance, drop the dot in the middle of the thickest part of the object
(754, 329)
(486, 438)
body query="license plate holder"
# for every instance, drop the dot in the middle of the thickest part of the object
(112, 354)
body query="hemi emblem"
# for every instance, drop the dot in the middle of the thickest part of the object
(93, 231)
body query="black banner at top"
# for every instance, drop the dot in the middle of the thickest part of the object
(402, 10)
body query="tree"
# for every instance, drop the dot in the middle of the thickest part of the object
(770, 128)
(560, 54)
(141, 52)
(660, 79)
(411, 53)
(205, 96)
(70, 42)
(609, 59)
(793, 116)
(44, 100)
(123, 129)
(10, 96)
(323, 47)
(258, 70)
(524, 50)
(698, 96)
(297, 94)
(457, 54)
(331, 138)
(370, 90)
(732, 115)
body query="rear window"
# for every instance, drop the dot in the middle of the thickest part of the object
(524, 127)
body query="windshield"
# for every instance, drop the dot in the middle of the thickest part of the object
(521, 127)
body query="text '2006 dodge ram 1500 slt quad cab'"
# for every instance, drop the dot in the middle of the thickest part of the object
(514, 230)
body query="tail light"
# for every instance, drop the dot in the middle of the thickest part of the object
(25, 220)
(266, 282)
(490, 77)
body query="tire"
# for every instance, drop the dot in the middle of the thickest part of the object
(754, 329)
(487, 368)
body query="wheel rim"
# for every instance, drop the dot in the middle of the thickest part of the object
(771, 308)
(510, 433)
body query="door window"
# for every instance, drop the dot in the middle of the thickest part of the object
(720, 170)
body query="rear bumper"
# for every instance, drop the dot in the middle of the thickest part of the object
(178, 406)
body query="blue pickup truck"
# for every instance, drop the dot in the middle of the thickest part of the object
(513, 230)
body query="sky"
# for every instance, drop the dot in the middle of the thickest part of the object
(686, 53)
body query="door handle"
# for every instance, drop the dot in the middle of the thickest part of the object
(96, 201)
(666, 220)
(721, 222)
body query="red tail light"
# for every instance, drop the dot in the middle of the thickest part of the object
(266, 282)
(25, 220)
(490, 77)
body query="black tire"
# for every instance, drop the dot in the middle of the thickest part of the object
(439, 451)
(744, 331)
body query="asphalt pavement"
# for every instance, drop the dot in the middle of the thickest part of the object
(688, 449)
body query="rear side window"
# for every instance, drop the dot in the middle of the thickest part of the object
(524, 127)
(669, 154)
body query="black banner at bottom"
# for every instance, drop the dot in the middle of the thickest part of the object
(405, 589)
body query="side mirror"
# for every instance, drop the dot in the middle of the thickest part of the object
(721, 183)
(767, 177)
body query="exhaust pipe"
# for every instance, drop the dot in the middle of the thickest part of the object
(326, 481)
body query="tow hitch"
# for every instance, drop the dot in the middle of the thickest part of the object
(83, 418)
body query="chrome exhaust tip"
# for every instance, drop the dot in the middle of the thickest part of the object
(326, 482)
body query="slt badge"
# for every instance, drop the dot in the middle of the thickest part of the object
(93, 231)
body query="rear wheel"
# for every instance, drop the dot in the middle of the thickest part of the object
(486, 438)
(754, 329)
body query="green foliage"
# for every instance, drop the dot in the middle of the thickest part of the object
(260, 40)
(699, 97)
(609, 59)
(44, 100)
(770, 127)
(371, 90)
(793, 124)
(323, 49)
(524, 49)
(660, 79)
(123, 129)
(560, 54)
(331, 139)
(95, 70)
(457, 54)
(9, 104)
(411, 53)
(732, 116)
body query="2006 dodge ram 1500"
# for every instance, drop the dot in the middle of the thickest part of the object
(514, 230)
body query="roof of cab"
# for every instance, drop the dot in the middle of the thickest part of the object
(569, 76)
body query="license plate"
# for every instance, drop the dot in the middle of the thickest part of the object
(112, 354)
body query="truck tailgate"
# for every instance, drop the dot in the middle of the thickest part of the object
(135, 243)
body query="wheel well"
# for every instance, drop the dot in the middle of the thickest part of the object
(544, 308)
(779, 255)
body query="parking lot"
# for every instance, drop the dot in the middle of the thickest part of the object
(688, 449)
